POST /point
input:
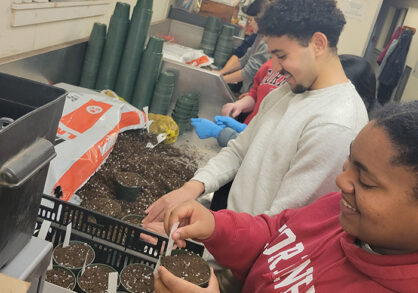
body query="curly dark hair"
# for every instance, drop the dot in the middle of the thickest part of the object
(300, 19)
(400, 122)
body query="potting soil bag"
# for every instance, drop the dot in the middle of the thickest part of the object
(87, 133)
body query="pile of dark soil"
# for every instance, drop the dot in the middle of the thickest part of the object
(163, 169)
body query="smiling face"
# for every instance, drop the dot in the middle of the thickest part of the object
(379, 206)
(296, 62)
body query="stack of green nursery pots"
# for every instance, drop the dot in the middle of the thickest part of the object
(93, 56)
(210, 35)
(187, 106)
(224, 46)
(113, 48)
(163, 92)
(135, 43)
(148, 73)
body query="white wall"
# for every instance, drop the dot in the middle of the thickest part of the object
(18, 40)
(356, 33)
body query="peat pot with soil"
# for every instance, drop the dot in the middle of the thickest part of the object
(137, 278)
(62, 277)
(95, 278)
(188, 266)
(161, 170)
(73, 256)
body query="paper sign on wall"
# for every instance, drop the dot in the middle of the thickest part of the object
(354, 8)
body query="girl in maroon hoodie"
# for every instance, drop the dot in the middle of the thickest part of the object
(361, 239)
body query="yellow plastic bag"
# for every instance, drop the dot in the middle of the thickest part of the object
(164, 124)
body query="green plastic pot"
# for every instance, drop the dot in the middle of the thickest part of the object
(147, 77)
(208, 50)
(213, 24)
(133, 50)
(209, 37)
(127, 192)
(164, 90)
(161, 100)
(184, 106)
(227, 30)
(186, 101)
(93, 56)
(155, 44)
(180, 119)
(113, 48)
(167, 77)
(145, 4)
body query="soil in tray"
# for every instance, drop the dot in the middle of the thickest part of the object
(137, 278)
(61, 277)
(73, 255)
(107, 206)
(187, 266)
(95, 279)
(162, 169)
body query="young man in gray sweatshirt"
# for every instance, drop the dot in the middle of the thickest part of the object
(293, 149)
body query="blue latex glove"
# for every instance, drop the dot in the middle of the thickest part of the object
(224, 121)
(205, 128)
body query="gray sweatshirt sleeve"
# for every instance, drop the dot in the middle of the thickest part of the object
(251, 63)
(226, 135)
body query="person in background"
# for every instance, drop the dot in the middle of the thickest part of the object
(292, 150)
(224, 128)
(361, 74)
(347, 241)
(267, 79)
(244, 69)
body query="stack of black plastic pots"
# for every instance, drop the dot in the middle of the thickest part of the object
(187, 106)
(224, 46)
(163, 92)
(210, 35)
(148, 73)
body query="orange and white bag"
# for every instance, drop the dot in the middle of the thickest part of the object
(87, 133)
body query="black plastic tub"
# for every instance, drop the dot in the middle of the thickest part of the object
(26, 145)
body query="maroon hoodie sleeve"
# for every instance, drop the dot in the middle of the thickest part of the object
(239, 238)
